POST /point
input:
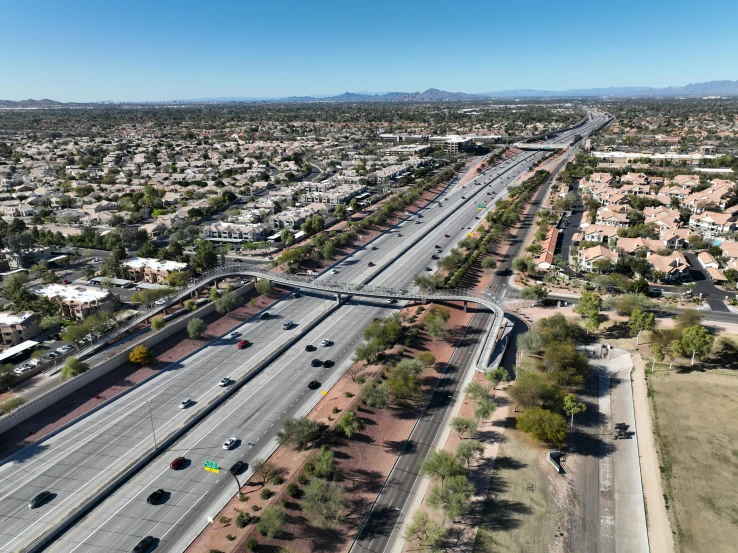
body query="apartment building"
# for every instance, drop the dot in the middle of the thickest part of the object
(78, 302)
(19, 327)
(711, 224)
(233, 232)
(153, 271)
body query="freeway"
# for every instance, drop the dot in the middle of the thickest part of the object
(77, 462)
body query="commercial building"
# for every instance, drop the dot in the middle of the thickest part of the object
(153, 271)
(78, 302)
(18, 327)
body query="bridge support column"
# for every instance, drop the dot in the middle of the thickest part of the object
(465, 306)
(338, 298)
(424, 301)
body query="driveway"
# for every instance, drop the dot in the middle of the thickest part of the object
(704, 286)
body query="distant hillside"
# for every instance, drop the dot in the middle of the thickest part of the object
(712, 88)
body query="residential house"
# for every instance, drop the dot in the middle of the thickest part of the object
(673, 267)
(545, 260)
(711, 224)
(588, 257)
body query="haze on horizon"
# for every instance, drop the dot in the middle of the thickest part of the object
(142, 51)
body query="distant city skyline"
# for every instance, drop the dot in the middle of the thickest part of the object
(161, 51)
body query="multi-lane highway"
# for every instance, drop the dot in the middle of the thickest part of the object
(78, 462)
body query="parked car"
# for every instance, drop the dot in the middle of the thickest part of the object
(178, 462)
(314, 385)
(144, 545)
(155, 497)
(243, 344)
(230, 443)
(185, 403)
(39, 499)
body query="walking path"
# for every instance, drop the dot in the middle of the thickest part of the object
(660, 537)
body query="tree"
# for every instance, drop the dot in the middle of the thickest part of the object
(190, 305)
(535, 389)
(567, 364)
(264, 468)
(626, 304)
(497, 376)
(589, 307)
(349, 424)
(441, 464)
(536, 293)
(368, 351)
(427, 533)
(640, 286)
(271, 522)
(696, 342)
(73, 367)
(543, 425)
(375, 395)
(213, 295)
(427, 358)
(484, 408)
(476, 391)
(157, 323)
(177, 279)
(524, 265)
(468, 449)
(264, 287)
(573, 407)
(196, 328)
(731, 275)
(227, 303)
(324, 502)
(489, 263)
(404, 380)
(148, 250)
(530, 342)
(329, 250)
(325, 465)
(141, 355)
(689, 317)
(463, 426)
(452, 496)
(434, 326)
(300, 432)
(640, 321)
(340, 211)
(205, 257)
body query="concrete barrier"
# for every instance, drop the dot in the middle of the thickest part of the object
(149, 339)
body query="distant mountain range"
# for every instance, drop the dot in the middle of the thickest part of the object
(711, 88)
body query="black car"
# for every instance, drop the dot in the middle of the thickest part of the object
(144, 545)
(315, 363)
(314, 385)
(155, 497)
(374, 247)
(39, 499)
(238, 467)
(310, 348)
(298, 295)
(428, 269)
(265, 315)
(434, 257)
(328, 363)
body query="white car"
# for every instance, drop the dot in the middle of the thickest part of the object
(334, 271)
(225, 382)
(229, 443)
(186, 403)
(325, 343)
(160, 302)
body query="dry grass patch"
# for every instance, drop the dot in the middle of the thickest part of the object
(697, 438)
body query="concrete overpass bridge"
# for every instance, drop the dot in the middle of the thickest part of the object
(539, 146)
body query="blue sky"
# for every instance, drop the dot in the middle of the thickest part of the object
(83, 50)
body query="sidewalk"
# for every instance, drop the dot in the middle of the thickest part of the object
(660, 537)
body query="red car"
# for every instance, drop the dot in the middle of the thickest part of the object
(178, 462)
(243, 344)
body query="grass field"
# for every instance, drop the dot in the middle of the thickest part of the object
(697, 436)
(520, 513)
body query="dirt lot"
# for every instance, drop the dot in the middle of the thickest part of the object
(694, 424)
(521, 512)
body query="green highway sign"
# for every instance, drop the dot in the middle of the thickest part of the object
(480, 206)
(211, 466)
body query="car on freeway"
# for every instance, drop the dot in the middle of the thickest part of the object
(371, 263)
(328, 363)
(393, 300)
(335, 271)
(230, 443)
(178, 462)
(315, 363)
(185, 403)
(39, 499)
(238, 467)
(144, 546)
(235, 334)
(243, 344)
(310, 347)
(265, 315)
(374, 247)
(225, 382)
(155, 496)
(463, 197)
(434, 257)
(314, 385)
(325, 343)
(428, 269)
(297, 295)
(399, 235)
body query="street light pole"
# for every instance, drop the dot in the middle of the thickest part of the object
(153, 430)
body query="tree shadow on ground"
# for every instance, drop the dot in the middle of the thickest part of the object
(396, 447)
(590, 445)
(501, 514)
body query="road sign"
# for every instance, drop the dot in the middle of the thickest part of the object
(211, 466)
